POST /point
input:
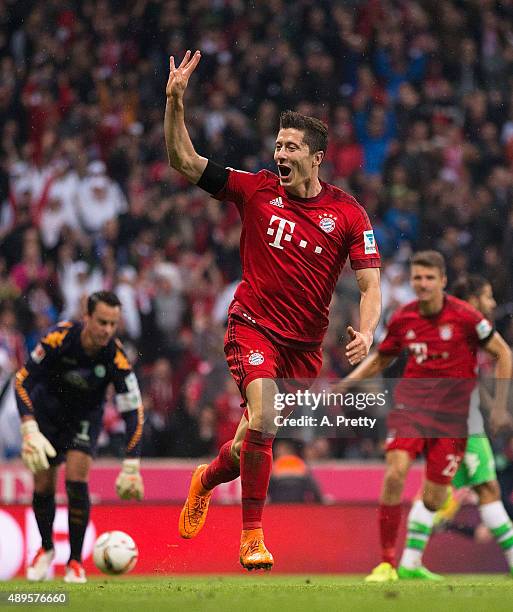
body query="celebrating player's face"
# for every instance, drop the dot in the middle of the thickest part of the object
(428, 283)
(297, 166)
(101, 325)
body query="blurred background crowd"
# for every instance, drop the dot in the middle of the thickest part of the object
(417, 97)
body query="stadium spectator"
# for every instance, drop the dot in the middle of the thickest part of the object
(161, 387)
(10, 437)
(291, 480)
(98, 198)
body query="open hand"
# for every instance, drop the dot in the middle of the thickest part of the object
(36, 448)
(179, 77)
(129, 483)
(358, 347)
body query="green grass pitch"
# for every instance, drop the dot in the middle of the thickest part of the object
(278, 593)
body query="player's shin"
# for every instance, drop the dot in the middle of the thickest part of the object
(79, 506)
(223, 468)
(256, 459)
(389, 521)
(44, 511)
(420, 525)
(494, 516)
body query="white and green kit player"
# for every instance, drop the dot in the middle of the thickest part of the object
(477, 470)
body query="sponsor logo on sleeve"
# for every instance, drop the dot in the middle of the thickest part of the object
(130, 400)
(38, 354)
(131, 383)
(483, 329)
(369, 242)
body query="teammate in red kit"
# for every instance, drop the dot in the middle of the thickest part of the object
(297, 233)
(442, 335)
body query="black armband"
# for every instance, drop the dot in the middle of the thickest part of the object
(214, 178)
(484, 341)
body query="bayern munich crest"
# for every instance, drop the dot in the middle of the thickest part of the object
(445, 332)
(327, 222)
(255, 358)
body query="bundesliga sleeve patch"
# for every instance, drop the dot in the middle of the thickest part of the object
(369, 242)
(483, 329)
(130, 400)
(38, 354)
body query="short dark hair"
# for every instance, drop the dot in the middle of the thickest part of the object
(429, 259)
(106, 297)
(468, 286)
(315, 131)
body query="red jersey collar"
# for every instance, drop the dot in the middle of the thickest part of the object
(306, 201)
(435, 314)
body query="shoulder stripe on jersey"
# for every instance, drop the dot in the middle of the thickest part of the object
(56, 338)
(121, 361)
(21, 375)
(138, 430)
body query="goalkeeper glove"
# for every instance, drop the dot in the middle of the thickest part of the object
(129, 483)
(36, 448)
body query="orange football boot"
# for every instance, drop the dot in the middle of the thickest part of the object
(253, 553)
(194, 512)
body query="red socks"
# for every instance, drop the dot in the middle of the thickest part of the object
(389, 521)
(256, 461)
(222, 469)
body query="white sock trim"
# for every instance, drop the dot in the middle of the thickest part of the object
(420, 514)
(494, 514)
(412, 557)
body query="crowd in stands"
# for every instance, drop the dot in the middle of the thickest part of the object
(417, 97)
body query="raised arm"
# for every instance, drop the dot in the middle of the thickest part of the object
(370, 311)
(180, 151)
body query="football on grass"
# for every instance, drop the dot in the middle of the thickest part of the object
(115, 552)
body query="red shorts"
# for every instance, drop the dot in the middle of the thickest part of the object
(251, 354)
(443, 455)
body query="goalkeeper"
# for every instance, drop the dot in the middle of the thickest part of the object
(60, 394)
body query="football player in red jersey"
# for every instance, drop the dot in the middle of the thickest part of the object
(297, 233)
(442, 335)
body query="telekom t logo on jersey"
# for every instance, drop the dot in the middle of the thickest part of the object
(283, 230)
(282, 224)
(419, 350)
